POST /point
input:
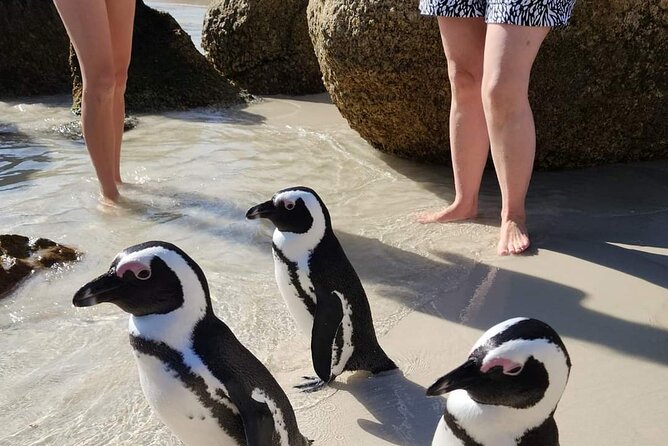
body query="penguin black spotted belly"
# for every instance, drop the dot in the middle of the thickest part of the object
(507, 391)
(199, 379)
(320, 286)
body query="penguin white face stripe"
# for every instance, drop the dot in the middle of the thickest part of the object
(279, 423)
(295, 245)
(173, 328)
(496, 330)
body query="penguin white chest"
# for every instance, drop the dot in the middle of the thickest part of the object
(177, 406)
(290, 283)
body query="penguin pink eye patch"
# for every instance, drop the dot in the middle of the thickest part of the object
(509, 367)
(138, 269)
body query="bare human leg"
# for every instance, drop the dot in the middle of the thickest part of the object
(121, 20)
(464, 43)
(509, 55)
(87, 24)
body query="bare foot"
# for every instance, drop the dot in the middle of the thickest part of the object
(454, 212)
(514, 237)
(109, 196)
(108, 202)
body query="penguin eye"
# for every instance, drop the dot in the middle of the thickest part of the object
(514, 371)
(289, 205)
(144, 274)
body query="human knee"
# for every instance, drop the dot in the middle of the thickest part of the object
(464, 80)
(100, 86)
(121, 79)
(503, 95)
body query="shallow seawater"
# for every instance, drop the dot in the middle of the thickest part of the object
(191, 177)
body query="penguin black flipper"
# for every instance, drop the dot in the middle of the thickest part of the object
(258, 420)
(265, 410)
(326, 323)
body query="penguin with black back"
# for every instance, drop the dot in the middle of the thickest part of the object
(199, 379)
(507, 391)
(320, 286)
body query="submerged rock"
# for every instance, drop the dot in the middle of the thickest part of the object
(166, 72)
(263, 45)
(33, 49)
(21, 256)
(598, 88)
(72, 129)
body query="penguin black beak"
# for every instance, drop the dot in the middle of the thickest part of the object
(103, 289)
(462, 377)
(262, 210)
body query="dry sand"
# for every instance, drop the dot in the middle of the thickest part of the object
(598, 273)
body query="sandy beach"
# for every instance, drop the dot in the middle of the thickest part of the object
(598, 273)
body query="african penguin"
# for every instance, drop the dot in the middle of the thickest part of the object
(199, 379)
(320, 286)
(507, 391)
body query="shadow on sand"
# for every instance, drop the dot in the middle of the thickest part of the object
(405, 415)
(486, 295)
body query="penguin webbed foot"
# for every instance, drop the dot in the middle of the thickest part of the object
(311, 384)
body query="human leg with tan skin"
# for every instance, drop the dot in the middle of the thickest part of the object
(510, 51)
(121, 15)
(88, 25)
(464, 43)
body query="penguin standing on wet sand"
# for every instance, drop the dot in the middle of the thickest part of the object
(200, 380)
(320, 286)
(507, 391)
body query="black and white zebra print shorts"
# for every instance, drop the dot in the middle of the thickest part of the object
(554, 13)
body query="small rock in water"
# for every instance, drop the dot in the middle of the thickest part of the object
(20, 256)
(72, 129)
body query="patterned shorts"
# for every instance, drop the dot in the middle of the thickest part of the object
(554, 13)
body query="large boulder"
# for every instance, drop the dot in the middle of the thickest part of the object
(33, 49)
(263, 45)
(598, 87)
(21, 256)
(166, 71)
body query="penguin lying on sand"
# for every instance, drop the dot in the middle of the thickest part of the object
(199, 379)
(506, 393)
(320, 286)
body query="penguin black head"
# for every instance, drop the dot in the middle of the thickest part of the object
(518, 363)
(147, 279)
(295, 210)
